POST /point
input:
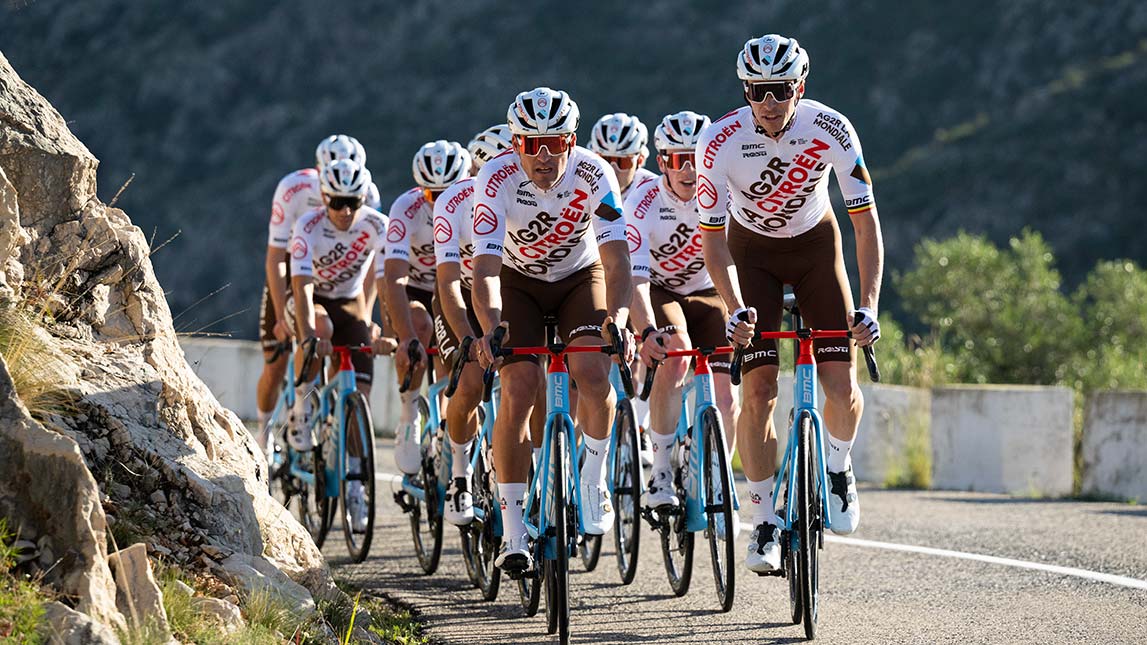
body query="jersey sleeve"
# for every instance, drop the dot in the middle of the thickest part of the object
(302, 246)
(609, 224)
(398, 230)
(380, 247)
(279, 233)
(851, 173)
(446, 232)
(712, 183)
(637, 229)
(489, 212)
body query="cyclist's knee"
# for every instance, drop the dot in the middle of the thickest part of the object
(760, 386)
(520, 384)
(276, 369)
(324, 328)
(840, 385)
(591, 376)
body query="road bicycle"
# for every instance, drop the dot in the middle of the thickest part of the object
(703, 477)
(552, 518)
(321, 477)
(802, 473)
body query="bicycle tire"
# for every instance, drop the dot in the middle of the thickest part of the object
(590, 551)
(627, 492)
(563, 509)
(357, 409)
(426, 515)
(312, 505)
(530, 583)
(806, 526)
(675, 535)
(717, 483)
(483, 544)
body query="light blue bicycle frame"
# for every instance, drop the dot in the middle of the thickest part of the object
(696, 497)
(805, 399)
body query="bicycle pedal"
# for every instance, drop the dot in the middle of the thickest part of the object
(403, 500)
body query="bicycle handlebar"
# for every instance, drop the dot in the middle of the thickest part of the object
(414, 353)
(310, 347)
(617, 347)
(495, 352)
(462, 356)
(869, 351)
(681, 353)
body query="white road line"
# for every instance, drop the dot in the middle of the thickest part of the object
(1122, 581)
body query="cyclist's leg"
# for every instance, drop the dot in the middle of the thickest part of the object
(461, 417)
(271, 378)
(351, 327)
(705, 314)
(665, 408)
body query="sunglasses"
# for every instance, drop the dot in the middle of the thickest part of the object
(677, 160)
(431, 195)
(557, 144)
(781, 91)
(338, 203)
(623, 163)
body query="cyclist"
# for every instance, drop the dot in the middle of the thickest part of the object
(767, 164)
(454, 316)
(675, 304)
(622, 140)
(534, 254)
(296, 194)
(332, 250)
(410, 277)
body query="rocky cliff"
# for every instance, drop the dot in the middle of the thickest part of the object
(122, 440)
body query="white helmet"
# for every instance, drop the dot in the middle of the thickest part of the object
(345, 178)
(339, 146)
(680, 131)
(440, 163)
(489, 143)
(619, 135)
(772, 58)
(543, 111)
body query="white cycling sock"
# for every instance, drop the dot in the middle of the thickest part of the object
(662, 449)
(300, 404)
(839, 452)
(460, 452)
(593, 470)
(641, 412)
(761, 507)
(512, 497)
(354, 465)
(408, 411)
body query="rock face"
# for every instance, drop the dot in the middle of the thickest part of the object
(174, 468)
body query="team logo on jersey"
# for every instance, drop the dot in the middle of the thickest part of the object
(860, 173)
(442, 230)
(277, 215)
(485, 221)
(634, 237)
(706, 193)
(397, 231)
(299, 248)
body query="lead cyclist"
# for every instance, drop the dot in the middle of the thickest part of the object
(767, 163)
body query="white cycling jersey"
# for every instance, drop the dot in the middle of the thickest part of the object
(410, 237)
(664, 239)
(779, 187)
(338, 261)
(454, 228)
(542, 234)
(639, 178)
(296, 194)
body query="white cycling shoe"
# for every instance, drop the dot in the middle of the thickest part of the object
(597, 509)
(659, 493)
(514, 556)
(843, 503)
(407, 449)
(459, 509)
(356, 506)
(764, 554)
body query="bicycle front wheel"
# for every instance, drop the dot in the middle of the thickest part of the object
(312, 506)
(719, 509)
(557, 570)
(358, 530)
(807, 525)
(426, 515)
(627, 492)
(480, 542)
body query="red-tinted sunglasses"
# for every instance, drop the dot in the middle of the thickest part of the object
(781, 91)
(676, 160)
(623, 163)
(557, 144)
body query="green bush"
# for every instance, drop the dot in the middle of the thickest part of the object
(1113, 302)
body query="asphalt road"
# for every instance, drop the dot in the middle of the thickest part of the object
(868, 595)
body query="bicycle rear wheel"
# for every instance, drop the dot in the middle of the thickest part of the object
(530, 583)
(479, 541)
(426, 515)
(676, 539)
(627, 492)
(312, 506)
(719, 510)
(807, 525)
(357, 422)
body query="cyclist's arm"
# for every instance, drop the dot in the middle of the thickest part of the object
(719, 261)
(869, 257)
(618, 283)
(276, 268)
(304, 290)
(856, 188)
(642, 307)
(397, 274)
(487, 294)
(637, 234)
(449, 277)
(369, 288)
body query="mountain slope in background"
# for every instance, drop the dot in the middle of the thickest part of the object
(984, 116)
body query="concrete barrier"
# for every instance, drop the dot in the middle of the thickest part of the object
(893, 431)
(1002, 439)
(231, 368)
(1115, 445)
